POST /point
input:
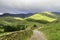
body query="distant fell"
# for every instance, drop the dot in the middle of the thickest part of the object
(17, 15)
(44, 16)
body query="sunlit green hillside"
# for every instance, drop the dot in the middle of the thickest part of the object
(47, 21)
(41, 17)
(18, 18)
(49, 13)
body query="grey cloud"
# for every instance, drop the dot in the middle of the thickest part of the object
(17, 6)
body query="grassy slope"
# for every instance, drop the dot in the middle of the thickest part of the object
(18, 35)
(13, 21)
(41, 17)
(52, 31)
(18, 18)
(49, 14)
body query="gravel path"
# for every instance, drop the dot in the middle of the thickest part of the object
(37, 35)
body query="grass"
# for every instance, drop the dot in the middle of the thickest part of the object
(24, 35)
(41, 17)
(49, 13)
(17, 35)
(18, 18)
(52, 31)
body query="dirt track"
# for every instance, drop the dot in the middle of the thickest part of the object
(37, 35)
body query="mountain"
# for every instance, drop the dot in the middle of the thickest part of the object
(49, 14)
(17, 15)
(10, 20)
(42, 17)
(57, 14)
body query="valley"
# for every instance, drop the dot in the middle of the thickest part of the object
(47, 22)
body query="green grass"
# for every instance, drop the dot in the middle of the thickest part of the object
(10, 22)
(52, 31)
(41, 17)
(48, 13)
(13, 22)
(18, 18)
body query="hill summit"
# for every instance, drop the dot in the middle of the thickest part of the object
(45, 16)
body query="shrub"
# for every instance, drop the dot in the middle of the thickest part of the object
(21, 27)
(34, 25)
(9, 28)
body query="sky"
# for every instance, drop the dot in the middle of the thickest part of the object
(27, 6)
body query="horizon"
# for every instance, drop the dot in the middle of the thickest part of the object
(26, 13)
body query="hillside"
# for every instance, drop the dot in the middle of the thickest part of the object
(9, 23)
(17, 24)
(52, 31)
(14, 22)
(57, 14)
(42, 17)
(10, 19)
(49, 14)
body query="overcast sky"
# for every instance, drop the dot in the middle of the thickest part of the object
(25, 6)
